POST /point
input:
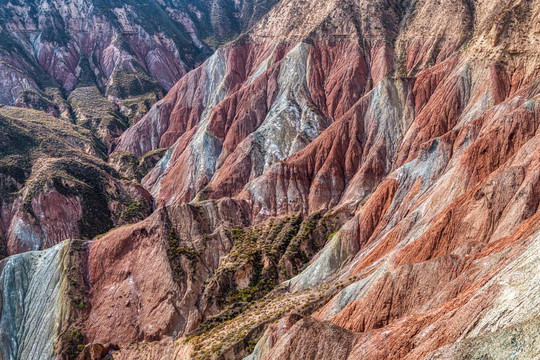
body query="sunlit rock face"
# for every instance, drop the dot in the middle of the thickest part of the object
(37, 302)
(347, 180)
(422, 137)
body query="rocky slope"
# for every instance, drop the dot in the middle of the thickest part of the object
(57, 55)
(349, 179)
(55, 184)
(89, 68)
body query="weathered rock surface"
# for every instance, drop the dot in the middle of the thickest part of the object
(408, 139)
(110, 57)
(55, 184)
(30, 287)
(349, 179)
(42, 298)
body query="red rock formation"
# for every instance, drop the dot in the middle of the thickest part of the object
(134, 299)
(414, 128)
(428, 147)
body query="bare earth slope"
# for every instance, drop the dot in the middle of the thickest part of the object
(348, 180)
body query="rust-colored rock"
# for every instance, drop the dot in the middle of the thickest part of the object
(387, 161)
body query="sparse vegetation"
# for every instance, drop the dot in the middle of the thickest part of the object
(131, 80)
(74, 344)
(246, 328)
(94, 112)
(176, 252)
(134, 210)
(39, 153)
(401, 69)
(74, 294)
(267, 255)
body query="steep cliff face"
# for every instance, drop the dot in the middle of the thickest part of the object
(349, 179)
(30, 286)
(43, 302)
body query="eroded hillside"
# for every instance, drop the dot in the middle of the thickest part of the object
(349, 179)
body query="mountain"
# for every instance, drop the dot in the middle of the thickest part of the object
(89, 68)
(347, 179)
(56, 55)
(55, 184)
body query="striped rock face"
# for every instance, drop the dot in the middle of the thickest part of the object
(67, 39)
(43, 298)
(346, 180)
(30, 290)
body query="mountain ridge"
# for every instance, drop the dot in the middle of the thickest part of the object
(348, 179)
